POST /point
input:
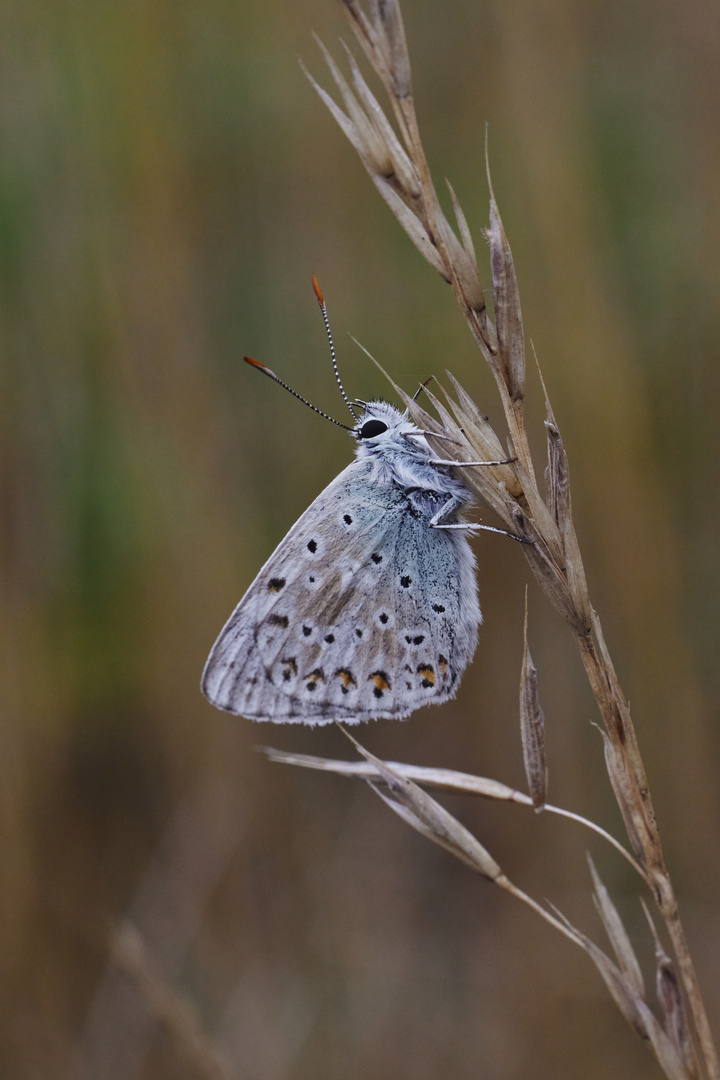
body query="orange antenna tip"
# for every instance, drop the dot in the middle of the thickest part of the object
(262, 367)
(318, 291)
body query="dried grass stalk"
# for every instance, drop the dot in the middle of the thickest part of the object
(129, 954)
(398, 167)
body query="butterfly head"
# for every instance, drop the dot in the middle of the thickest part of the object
(386, 436)
(381, 427)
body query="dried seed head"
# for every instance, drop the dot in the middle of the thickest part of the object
(367, 140)
(623, 993)
(506, 298)
(382, 37)
(461, 262)
(557, 481)
(428, 817)
(671, 1003)
(400, 173)
(626, 795)
(616, 932)
(551, 578)
(407, 176)
(412, 225)
(397, 177)
(556, 474)
(670, 998)
(532, 728)
(633, 1008)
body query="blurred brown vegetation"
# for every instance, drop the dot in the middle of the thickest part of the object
(168, 183)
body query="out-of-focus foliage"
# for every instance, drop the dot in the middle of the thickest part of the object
(168, 183)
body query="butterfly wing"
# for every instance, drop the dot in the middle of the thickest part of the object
(361, 612)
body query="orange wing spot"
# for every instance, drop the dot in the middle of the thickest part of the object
(346, 677)
(382, 682)
(291, 663)
(427, 673)
(316, 676)
(442, 664)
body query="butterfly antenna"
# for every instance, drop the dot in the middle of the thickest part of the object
(421, 387)
(321, 302)
(271, 375)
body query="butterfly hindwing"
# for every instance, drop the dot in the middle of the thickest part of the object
(362, 611)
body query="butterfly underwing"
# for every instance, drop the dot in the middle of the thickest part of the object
(368, 608)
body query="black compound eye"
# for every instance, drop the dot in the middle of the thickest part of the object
(371, 428)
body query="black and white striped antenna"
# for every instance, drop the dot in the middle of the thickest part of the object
(271, 375)
(321, 302)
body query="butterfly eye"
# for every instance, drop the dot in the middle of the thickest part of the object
(371, 428)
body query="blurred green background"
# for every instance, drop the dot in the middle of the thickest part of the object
(168, 184)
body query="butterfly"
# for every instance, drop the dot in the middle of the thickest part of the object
(368, 608)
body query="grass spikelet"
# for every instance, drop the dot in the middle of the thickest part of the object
(532, 727)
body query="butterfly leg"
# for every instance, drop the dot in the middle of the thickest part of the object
(453, 504)
(451, 461)
(463, 464)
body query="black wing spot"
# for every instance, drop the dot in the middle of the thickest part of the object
(358, 632)
(329, 638)
(275, 584)
(278, 620)
(347, 519)
(405, 581)
(383, 617)
(312, 546)
(307, 630)
(439, 608)
(376, 558)
(315, 677)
